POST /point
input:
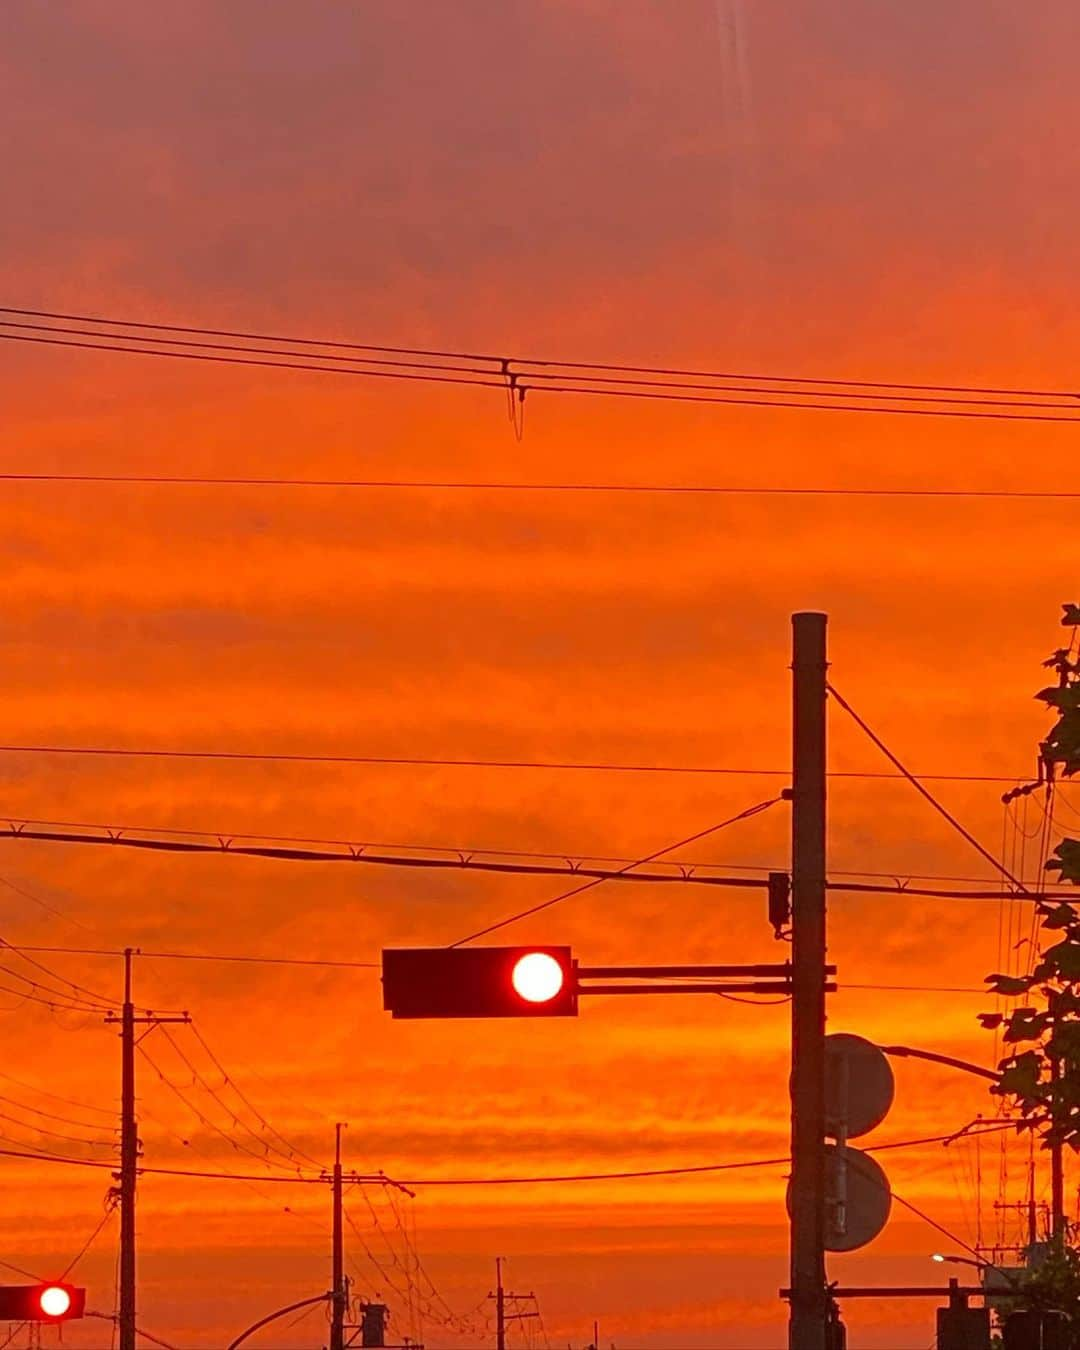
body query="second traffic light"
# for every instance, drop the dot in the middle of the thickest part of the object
(480, 982)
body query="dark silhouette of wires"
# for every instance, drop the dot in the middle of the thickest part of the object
(638, 489)
(518, 376)
(449, 762)
(750, 811)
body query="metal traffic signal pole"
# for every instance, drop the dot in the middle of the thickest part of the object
(809, 1296)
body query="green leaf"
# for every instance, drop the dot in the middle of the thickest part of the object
(991, 1021)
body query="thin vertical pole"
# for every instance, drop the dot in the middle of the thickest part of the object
(339, 1295)
(500, 1307)
(809, 1298)
(1058, 1221)
(129, 1160)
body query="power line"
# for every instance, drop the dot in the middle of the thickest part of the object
(596, 881)
(225, 847)
(265, 1159)
(572, 860)
(487, 1181)
(294, 1153)
(431, 761)
(89, 1241)
(52, 1115)
(918, 786)
(499, 361)
(519, 375)
(652, 489)
(52, 1096)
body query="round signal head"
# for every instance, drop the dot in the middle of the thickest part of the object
(537, 977)
(54, 1300)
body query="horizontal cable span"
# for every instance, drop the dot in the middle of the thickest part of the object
(380, 1179)
(644, 489)
(223, 846)
(286, 757)
(518, 376)
(499, 361)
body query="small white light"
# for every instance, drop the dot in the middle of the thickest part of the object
(937, 1256)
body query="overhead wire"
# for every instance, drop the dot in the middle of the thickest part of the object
(449, 762)
(293, 1152)
(52, 1096)
(224, 846)
(518, 376)
(51, 1115)
(674, 489)
(237, 1145)
(918, 785)
(629, 1175)
(69, 1268)
(746, 814)
(447, 354)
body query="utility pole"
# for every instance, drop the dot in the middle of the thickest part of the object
(339, 1292)
(500, 1307)
(129, 1162)
(129, 1150)
(517, 1313)
(1058, 1222)
(809, 1296)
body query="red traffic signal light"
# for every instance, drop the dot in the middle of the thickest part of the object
(480, 982)
(57, 1302)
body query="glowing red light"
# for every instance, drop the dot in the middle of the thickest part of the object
(54, 1301)
(537, 977)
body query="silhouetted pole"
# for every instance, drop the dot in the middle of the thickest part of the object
(129, 1148)
(1058, 1221)
(809, 1299)
(129, 1162)
(339, 1296)
(500, 1307)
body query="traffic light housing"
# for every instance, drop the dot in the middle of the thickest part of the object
(962, 1328)
(480, 982)
(55, 1302)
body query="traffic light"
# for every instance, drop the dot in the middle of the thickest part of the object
(962, 1328)
(1036, 1329)
(56, 1302)
(480, 982)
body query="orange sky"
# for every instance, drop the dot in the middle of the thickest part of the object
(871, 192)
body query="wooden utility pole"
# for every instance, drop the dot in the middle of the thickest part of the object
(339, 1292)
(516, 1314)
(129, 1150)
(500, 1307)
(129, 1162)
(809, 1296)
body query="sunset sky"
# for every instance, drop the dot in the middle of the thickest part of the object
(808, 187)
